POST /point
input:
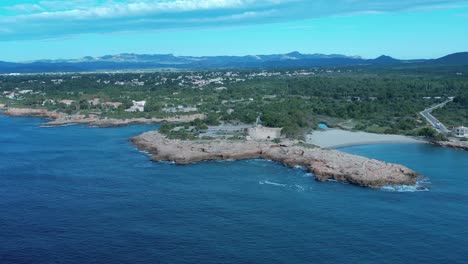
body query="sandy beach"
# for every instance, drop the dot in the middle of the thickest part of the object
(335, 138)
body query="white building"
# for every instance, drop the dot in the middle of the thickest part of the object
(137, 106)
(48, 101)
(11, 95)
(460, 132)
(25, 91)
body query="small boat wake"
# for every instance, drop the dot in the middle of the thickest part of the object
(272, 183)
(294, 187)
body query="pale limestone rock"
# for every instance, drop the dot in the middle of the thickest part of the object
(324, 164)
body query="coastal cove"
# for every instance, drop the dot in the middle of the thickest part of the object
(79, 194)
(234, 132)
(324, 164)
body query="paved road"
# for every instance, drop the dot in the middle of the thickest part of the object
(432, 120)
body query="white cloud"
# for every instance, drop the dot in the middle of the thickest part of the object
(142, 8)
(51, 18)
(25, 8)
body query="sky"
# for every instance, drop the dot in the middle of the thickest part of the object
(405, 29)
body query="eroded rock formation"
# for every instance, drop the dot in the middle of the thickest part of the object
(324, 164)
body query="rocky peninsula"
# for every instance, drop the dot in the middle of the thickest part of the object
(324, 164)
(61, 119)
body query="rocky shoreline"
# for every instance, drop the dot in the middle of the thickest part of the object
(461, 145)
(324, 164)
(61, 119)
(44, 113)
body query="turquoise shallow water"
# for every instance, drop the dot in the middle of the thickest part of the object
(86, 195)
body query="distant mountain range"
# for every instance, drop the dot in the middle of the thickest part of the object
(128, 61)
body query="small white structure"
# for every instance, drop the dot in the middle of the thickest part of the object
(264, 133)
(48, 101)
(67, 102)
(460, 132)
(25, 92)
(137, 106)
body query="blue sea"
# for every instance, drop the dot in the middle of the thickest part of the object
(77, 194)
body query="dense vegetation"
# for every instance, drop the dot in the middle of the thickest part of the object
(376, 100)
(455, 113)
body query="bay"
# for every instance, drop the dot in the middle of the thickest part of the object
(76, 194)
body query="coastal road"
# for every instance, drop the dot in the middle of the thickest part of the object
(432, 120)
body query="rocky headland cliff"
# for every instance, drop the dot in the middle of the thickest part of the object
(324, 164)
(60, 119)
(33, 112)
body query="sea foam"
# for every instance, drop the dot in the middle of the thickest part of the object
(421, 186)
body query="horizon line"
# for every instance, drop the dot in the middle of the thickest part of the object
(225, 55)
